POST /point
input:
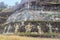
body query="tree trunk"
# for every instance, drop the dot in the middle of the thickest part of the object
(16, 28)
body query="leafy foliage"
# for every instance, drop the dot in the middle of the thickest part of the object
(2, 6)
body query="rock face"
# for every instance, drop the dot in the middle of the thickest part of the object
(25, 1)
(36, 12)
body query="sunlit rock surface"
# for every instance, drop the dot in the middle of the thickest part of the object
(34, 12)
(31, 15)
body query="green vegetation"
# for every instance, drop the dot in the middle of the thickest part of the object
(2, 6)
(50, 35)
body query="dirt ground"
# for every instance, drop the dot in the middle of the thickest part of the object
(14, 37)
